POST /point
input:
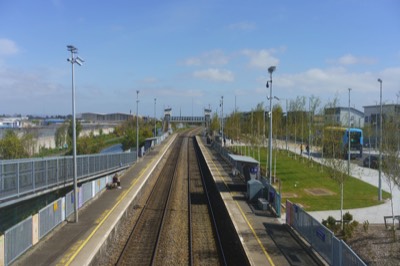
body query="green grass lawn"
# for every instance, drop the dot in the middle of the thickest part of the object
(297, 175)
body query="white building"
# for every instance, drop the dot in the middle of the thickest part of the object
(340, 116)
(390, 113)
(12, 122)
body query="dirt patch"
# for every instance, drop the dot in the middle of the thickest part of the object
(319, 191)
(376, 246)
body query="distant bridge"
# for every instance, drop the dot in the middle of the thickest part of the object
(168, 118)
(187, 119)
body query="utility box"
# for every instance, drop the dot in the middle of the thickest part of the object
(262, 204)
(254, 189)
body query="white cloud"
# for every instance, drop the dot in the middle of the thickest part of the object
(215, 74)
(261, 59)
(350, 59)
(212, 58)
(8, 47)
(325, 83)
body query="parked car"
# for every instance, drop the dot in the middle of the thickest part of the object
(372, 161)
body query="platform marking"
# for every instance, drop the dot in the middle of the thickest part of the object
(244, 215)
(75, 250)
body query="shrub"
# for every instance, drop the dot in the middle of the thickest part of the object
(366, 226)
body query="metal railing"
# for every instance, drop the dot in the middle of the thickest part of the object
(27, 233)
(50, 217)
(334, 251)
(17, 240)
(21, 177)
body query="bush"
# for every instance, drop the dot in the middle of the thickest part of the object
(330, 223)
(366, 226)
(347, 217)
(348, 227)
(349, 230)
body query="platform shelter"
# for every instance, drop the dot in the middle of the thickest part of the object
(247, 166)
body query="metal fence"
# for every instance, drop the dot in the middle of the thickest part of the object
(17, 240)
(69, 203)
(20, 237)
(21, 177)
(86, 191)
(272, 195)
(50, 216)
(334, 251)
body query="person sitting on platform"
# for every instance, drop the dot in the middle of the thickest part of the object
(116, 182)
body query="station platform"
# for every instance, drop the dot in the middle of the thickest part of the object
(78, 243)
(263, 237)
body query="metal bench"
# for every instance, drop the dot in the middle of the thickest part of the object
(396, 217)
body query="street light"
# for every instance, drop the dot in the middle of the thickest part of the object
(74, 59)
(380, 145)
(137, 125)
(349, 139)
(222, 120)
(271, 69)
(155, 120)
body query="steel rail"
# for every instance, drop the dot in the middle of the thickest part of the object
(142, 214)
(215, 226)
(190, 211)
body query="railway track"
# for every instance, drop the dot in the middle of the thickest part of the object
(177, 224)
(205, 244)
(141, 246)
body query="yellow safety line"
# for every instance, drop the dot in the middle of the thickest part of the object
(244, 216)
(109, 212)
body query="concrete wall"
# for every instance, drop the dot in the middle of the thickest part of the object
(35, 229)
(49, 141)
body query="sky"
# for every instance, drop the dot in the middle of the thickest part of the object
(188, 54)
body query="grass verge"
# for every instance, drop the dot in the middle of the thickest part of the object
(310, 185)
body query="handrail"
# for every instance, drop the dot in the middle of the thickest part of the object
(19, 178)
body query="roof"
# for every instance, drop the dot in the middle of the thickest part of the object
(346, 109)
(240, 158)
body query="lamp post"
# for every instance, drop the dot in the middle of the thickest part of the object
(155, 120)
(74, 59)
(380, 145)
(222, 120)
(376, 128)
(271, 69)
(349, 139)
(137, 125)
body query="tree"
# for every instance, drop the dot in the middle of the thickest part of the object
(214, 126)
(60, 137)
(90, 144)
(11, 147)
(391, 162)
(368, 131)
(335, 165)
(70, 132)
(128, 131)
(28, 141)
(297, 117)
(129, 141)
(314, 103)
